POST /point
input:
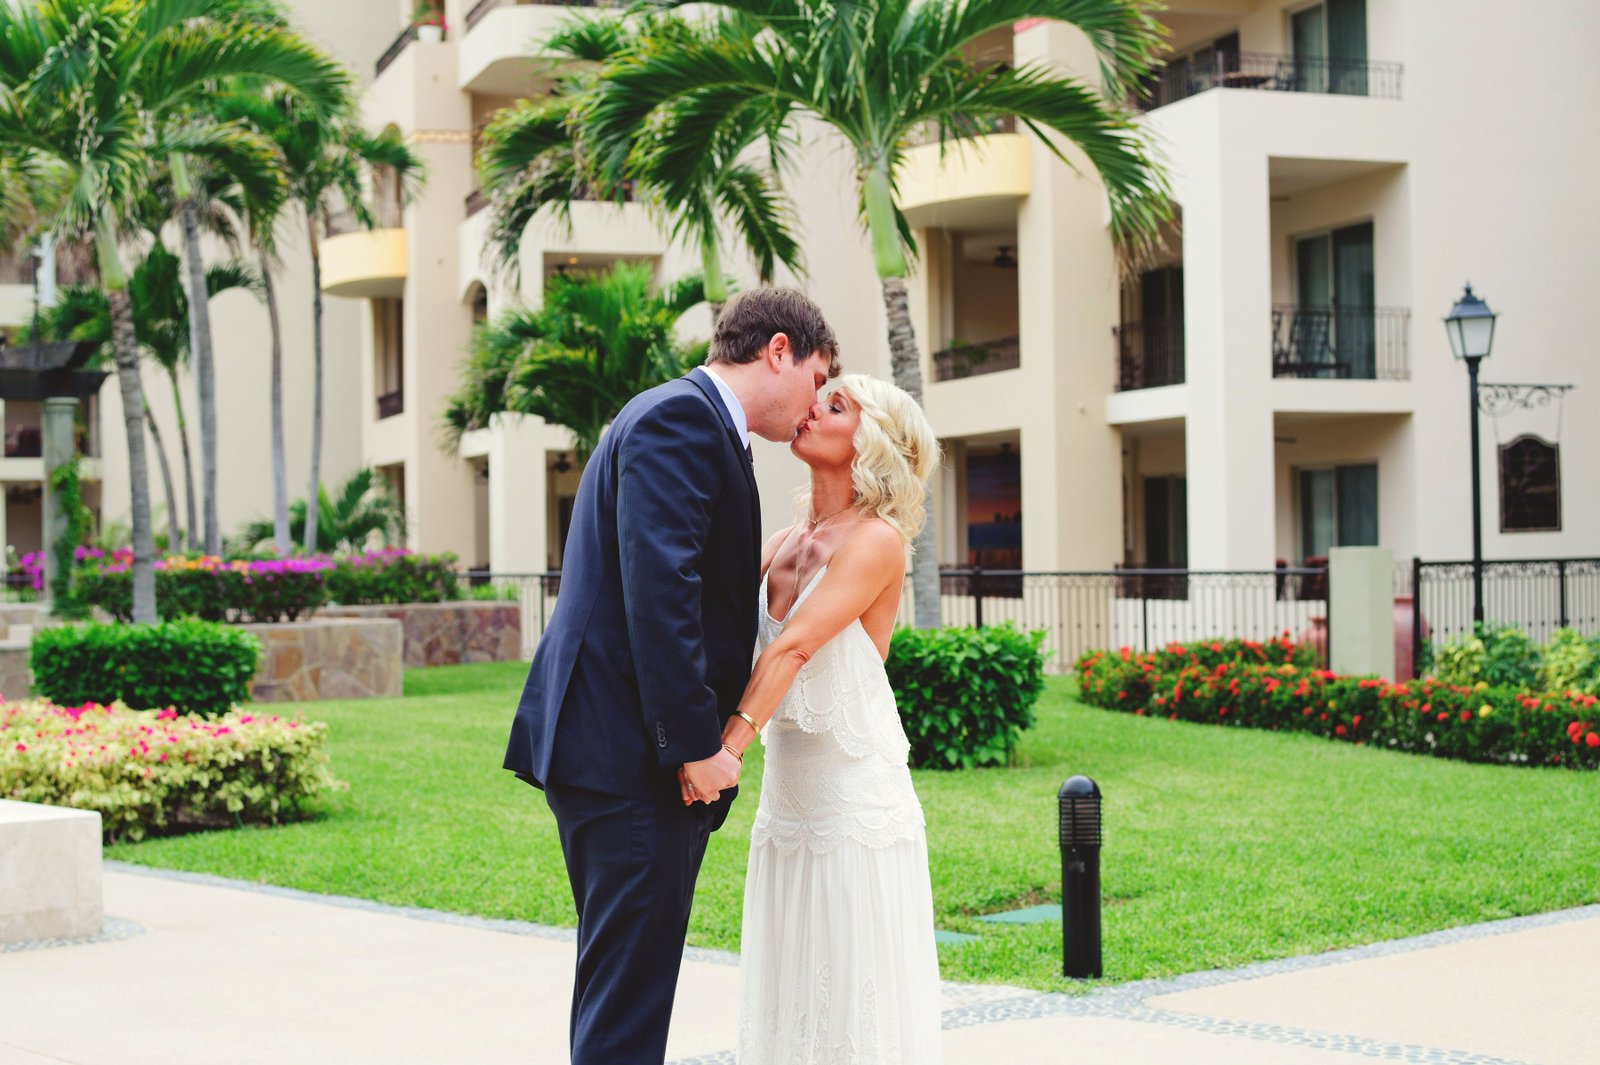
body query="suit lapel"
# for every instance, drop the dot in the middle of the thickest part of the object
(703, 382)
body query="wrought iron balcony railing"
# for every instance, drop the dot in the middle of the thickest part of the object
(1272, 72)
(1149, 354)
(483, 7)
(391, 403)
(969, 360)
(392, 53)
(1342, 343)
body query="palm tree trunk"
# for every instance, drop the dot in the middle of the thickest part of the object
(906, 365)
(280, 473)
(316, 383)
(200, 341)
(174, 533)
(188, 459)
(711, 268)
(126, 350)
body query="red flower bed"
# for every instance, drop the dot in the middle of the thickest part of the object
(1272, 685)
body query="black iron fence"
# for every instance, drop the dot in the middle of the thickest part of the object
(1078, 611)
(1149, 354)
(969, 360)
(1271, 72)
(476, 12)
(1537, 596)
(1341, 343)
(391, 53)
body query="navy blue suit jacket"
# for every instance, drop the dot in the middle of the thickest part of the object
(649, 647)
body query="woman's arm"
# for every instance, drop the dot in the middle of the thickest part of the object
(859, 571)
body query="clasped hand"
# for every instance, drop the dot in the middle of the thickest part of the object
(706, 780)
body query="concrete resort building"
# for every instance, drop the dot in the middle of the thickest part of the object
(1277, 384)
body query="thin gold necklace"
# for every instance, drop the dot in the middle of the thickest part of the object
(809, 550)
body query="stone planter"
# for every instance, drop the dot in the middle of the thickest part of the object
(327, 658)
(447, 634)
(16, 675)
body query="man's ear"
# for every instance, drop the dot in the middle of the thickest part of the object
(777, 348)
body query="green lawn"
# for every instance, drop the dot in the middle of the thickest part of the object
(1224, 846)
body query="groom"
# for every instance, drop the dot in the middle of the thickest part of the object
(648, 652)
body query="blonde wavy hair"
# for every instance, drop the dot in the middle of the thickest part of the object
(896, 453)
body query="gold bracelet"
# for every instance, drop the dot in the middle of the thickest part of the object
(737, 754)
(749, 721)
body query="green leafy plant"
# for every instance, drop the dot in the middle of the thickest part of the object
(1571, 662)
(239, 591)
(1498, 655)
(190, 665)
(364, 510)
(153, 771)
(66, 484)
(965, 695)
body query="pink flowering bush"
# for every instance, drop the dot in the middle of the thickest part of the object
(214, 589)
(393, 575)
(152, 771)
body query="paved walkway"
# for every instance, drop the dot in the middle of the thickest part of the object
(198, 969)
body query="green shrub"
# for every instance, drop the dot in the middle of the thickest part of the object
(393, 575)
(1477, 723)
(209, 588)
(191, 665)
(1500, 656)
(1571, 663)
(965, 695)
(147, 771)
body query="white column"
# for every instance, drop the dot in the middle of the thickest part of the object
(1227, 319)
(1361, 611)
(517, 492)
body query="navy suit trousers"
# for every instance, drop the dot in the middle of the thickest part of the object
(632, 864)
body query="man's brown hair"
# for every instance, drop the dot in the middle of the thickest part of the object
(750, 319)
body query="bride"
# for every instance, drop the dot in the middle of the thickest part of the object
(839, 964)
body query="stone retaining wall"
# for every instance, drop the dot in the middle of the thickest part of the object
(447, 634)
(327, 658)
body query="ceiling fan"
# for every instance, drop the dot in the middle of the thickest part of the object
(1005, 260)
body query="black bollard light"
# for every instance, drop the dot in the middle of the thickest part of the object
(1080, 877)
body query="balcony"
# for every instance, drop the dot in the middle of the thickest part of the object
(366, 264)
(391, 53)
(501, 37)
(1149, 354)
(971, 360)
(969, 183)
(391, 403)
(1341, 343)
(1270, 72)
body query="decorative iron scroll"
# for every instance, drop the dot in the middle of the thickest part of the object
(1495, 400)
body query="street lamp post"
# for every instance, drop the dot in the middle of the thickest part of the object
(1470, 326)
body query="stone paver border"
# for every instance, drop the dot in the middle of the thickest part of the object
(979, 1004)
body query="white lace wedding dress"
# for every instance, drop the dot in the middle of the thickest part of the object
(838, 959)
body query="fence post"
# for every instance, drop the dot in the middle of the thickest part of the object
(1361, 610)
(1416, 617)
(976, 580)
(1561, 585)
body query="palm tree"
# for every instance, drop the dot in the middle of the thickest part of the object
(597, 342)
(878, 72)
(264, 52)
(533, 156)
(160, 310)
(323, 162)
(364, 509)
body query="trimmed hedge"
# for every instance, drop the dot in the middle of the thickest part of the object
(393, 575)
(965, 695)
(1269, 685)
(194, 666)
(238, 591)
(149, 771)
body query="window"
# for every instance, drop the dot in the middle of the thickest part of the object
(1530, 485)
(1330, 47)
(1335, 323)
(388, 336)
(1166, 522)
(1338, 508)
